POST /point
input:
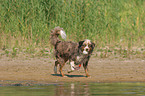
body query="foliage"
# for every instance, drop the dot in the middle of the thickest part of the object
(27, 23)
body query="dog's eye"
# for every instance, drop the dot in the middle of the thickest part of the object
(84, 45)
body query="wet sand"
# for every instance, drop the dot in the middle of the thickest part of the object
(40, 70)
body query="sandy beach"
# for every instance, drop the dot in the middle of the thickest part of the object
(40, 69)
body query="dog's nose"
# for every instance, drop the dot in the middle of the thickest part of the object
(87, 49)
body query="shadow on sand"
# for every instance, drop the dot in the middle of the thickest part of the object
(71, 76)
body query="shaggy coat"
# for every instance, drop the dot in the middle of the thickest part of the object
(68, 50)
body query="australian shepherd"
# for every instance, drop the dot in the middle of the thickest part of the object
(75, 53)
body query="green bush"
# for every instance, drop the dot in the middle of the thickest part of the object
(27, 23)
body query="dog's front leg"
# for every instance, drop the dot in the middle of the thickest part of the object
(86, 69)
(72, 65)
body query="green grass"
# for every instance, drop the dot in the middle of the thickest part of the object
(26, 24)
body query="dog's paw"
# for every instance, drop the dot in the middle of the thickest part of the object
(70, 71)
(64, 76)
(88, 76)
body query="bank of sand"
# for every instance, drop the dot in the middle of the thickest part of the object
(40, 69)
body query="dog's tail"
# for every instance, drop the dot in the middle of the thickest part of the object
(55, 33)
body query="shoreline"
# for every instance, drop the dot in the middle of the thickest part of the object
(40, 71)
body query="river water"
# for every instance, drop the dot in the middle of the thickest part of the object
(75, 89)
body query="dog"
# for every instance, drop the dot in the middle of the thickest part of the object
(75, 53)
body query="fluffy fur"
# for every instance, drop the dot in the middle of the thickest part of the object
(76, 53)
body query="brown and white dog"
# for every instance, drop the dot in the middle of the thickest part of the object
(76, 53)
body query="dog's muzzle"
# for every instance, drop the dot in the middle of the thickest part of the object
(86, 50)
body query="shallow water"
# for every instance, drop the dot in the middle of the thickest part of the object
(76, 89)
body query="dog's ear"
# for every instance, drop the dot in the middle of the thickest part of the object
(80, 43)
(93, 45)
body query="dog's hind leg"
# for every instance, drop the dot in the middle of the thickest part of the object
(61, 64)
(60, 70)
(55, 67)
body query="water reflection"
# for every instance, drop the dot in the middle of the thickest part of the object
(113, 89)
(72, 89)
(75, 89)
